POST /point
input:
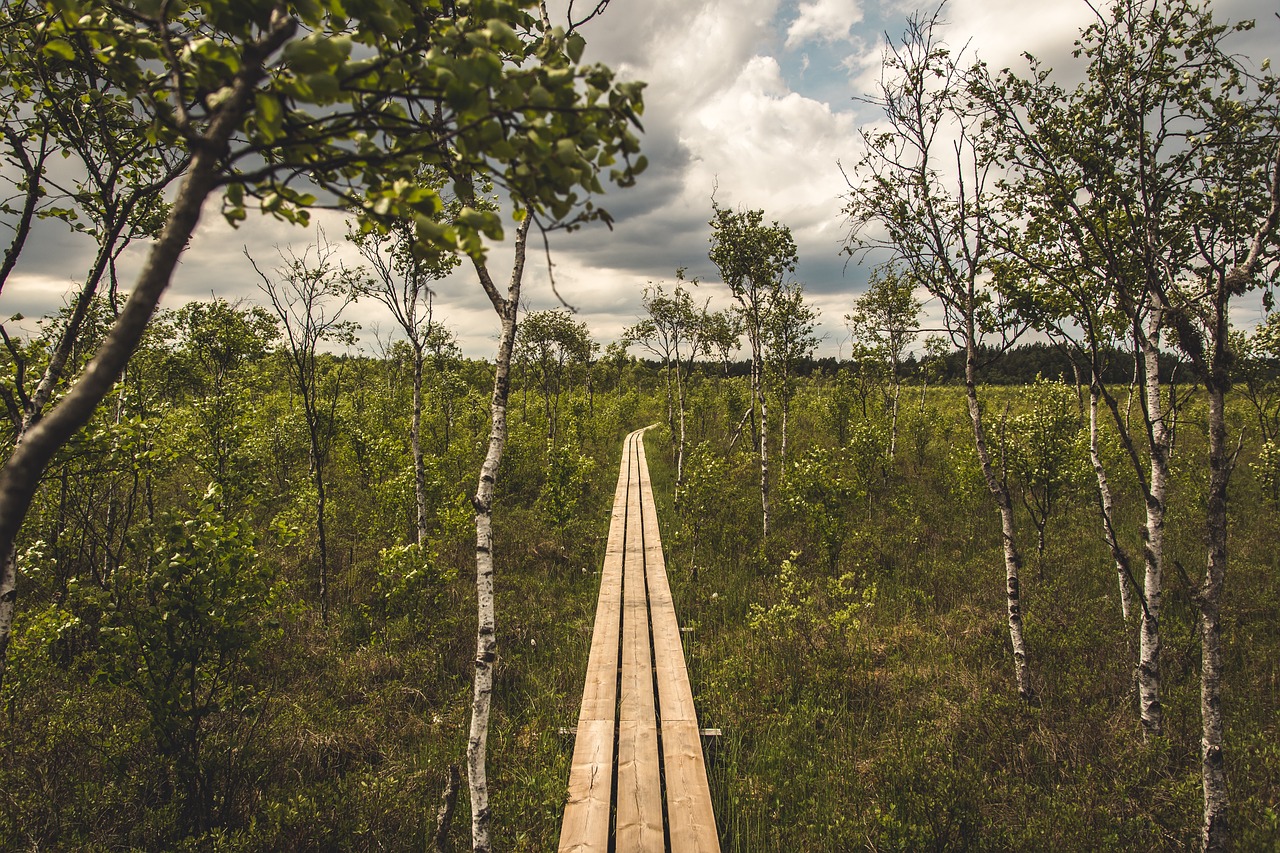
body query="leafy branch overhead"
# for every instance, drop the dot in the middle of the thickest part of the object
(347, 105)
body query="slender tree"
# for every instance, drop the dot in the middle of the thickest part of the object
(790, 338)
(675, 331)
(754, 260)
(924, 190)
(403, 270)
(309, 293)
(550, 344)
(1235, 212)
(887, 319)
(507, 307)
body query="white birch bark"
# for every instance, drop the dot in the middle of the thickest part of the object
(1151, 711)
(1118, 553)
(1214, 835)
(893, 414)
(415, 443)
(757, 390)
(1012, 558)
(486, 621)
(680, 387)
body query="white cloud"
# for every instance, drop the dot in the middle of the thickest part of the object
(720, 111)
(825, 21)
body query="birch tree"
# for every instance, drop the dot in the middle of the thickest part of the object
(754, 260)
(1092, 153)
(675, 331)
(1106, 182)
(277, 105)
(551, 344)
(402, 274)
(1234, 212)
(790, 338)
(309, 292)
(1160, 182)
(924, 192)
(507, 307)
(887, 319)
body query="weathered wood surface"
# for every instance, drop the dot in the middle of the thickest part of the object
(638, 781)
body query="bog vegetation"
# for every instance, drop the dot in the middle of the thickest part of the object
(264, 589)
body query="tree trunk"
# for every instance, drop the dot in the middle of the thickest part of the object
(1012, 559)
(785, 400)
(415, 444)
(893, 416)
(680, 444)
(1118, 553)
(322, 585)
(444, 817)
(26, 465)
(1214, 834)
(486, 625)
(1150, 709)
(757, 389)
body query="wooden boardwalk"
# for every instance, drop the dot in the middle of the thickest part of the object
(638, 781)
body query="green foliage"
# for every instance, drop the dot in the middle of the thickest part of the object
(411, 581)
(1046, 452)
(820, 489)
(1267, 469)
(887, 317)
(565, 490)
(819, 611)
(181, 632)
(339, 99)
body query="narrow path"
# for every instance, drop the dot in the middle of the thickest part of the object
(638, 781)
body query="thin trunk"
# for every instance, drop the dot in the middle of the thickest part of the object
(415, 443)
(1118, 553)
(1214, 831)
(1214, 834)
(448, 802)
(26, 465)
(757, 389)
(317, 473)
(671, 411)
(1012, 559)
(486, 625)
(786, 412)
(737, 432)
(1150, 709)
(893, 416)
(31, 172)
(680, 444)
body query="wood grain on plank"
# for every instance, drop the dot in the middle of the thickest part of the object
(691, 820)
(690, 816)
(590, 804)
(637, 687)
(639, 795)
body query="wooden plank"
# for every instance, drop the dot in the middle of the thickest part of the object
(691, 823)
(690, 819)
(636, 691)
(639, 796)
(589, 807)
(639, 799)
(675, 695)
(586, 814)
(599, 696)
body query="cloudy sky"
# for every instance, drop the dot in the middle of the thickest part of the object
(753, 100)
